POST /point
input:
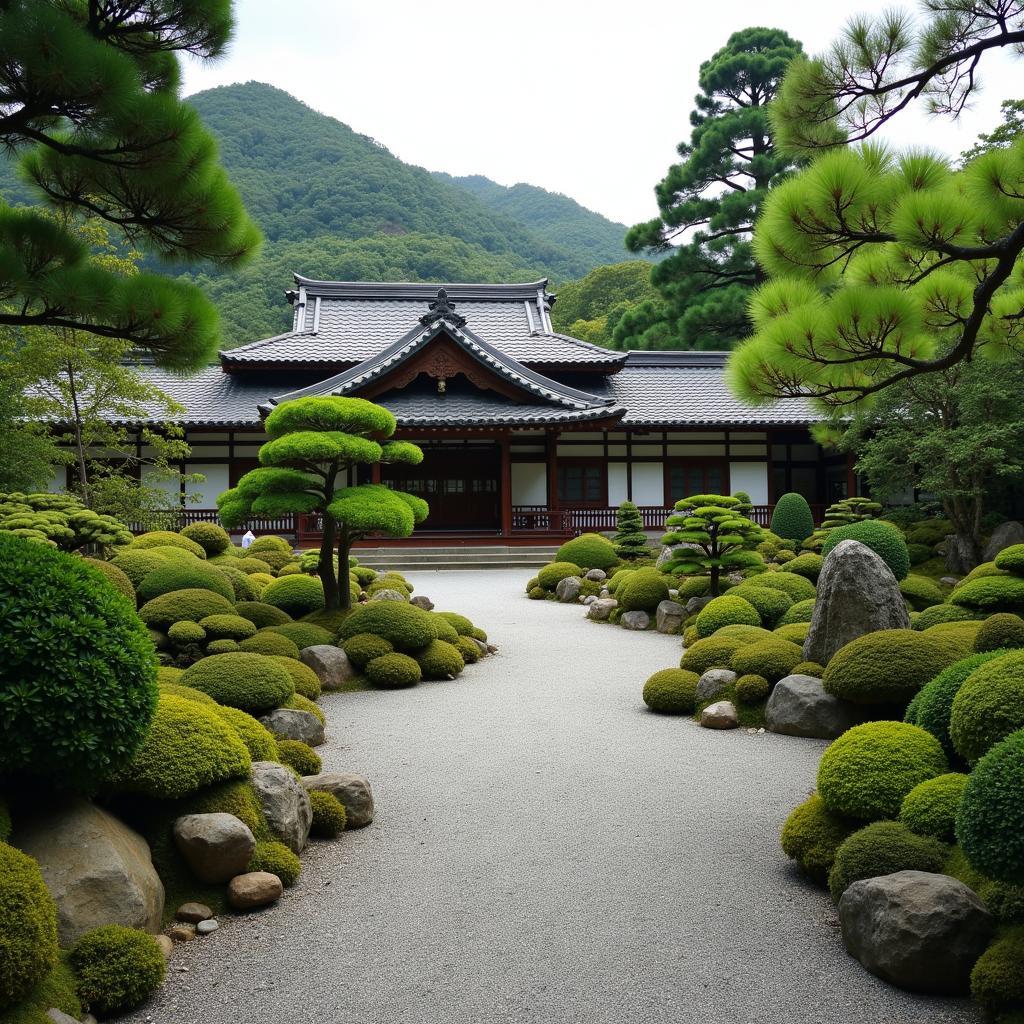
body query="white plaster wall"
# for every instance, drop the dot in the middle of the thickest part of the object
(59, 479)
(751, 477)
(617, 492)
(216, 481)
(169, 487)
(529, 483)
(648, 483)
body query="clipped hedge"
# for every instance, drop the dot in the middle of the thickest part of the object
(438, 660)
(553, 573)
(302, 634)
(118, 968)
(884, 539)
(406, 627)
(250, 682)
(297, 595)
(752, 689)
(726, 610)
(930, 808)
(792, 518)
(1011, 559)
(883, 848)
(988, 706)
(393, 671)
(998, 632)
(115, 576)
(672, 691)
(213, 539)
(920, 592)
(812, 834)
(191, 605)
(589, 551)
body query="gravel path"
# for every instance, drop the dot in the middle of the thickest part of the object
(545, 851)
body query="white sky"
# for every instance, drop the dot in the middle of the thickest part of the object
(585, 97)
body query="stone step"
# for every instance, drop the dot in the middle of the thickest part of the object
(467, 557)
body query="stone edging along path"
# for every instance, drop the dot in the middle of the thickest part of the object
(545, 850)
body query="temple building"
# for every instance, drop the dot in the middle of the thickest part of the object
(527, 433)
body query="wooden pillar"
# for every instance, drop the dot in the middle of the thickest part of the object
(506, 486)
(851, 477)
(552, 455)
(375, 473)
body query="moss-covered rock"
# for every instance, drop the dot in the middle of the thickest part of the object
(883, 848)
(394, 671)
(250, 682)
(672, 691)
(812, 834)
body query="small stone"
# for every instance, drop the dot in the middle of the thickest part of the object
(254, 889)
(713, 683)
(669, 617)
(601, 609)
(295, 724)
(637, 620)
(492, 648)
(481, 647)
(950, 581)
(589, 599)
(181, 933)
(352, 790)
(330, 663)
(59, 1016)
(193, 913)
(166, 945)
(568, 589)
(721, 715)
(596, 575)
(422, 601)
(207, 927)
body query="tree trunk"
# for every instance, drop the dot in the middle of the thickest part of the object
(325, 567)
(344, 590)
(716, 573)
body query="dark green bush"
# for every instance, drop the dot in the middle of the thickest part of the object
(180, 605)
(919, 553)
(726, 611)
(213, 539)
(1011, 559)
(589, 551)
(394, 671)
(364, 647)
(166, 539)
(300, 756)
(115, 576)
(998, 632)
(303, 634)
(791, 518)
(801, 611)
(28, 925)
(868, 771)
(990, 594)
(404, 626)
(672, 691)
(812, 834)
(752, 689)
(277, 859)
(227, 627)
(329, 815)
(250, 682)
(920, 592)
(797, 588)
(643, 590)
(807, 565)
(553, 573)
(438, 660)
(883, 538)
(77, 669)
(997, 981)
(772, 659)
(990, 823)
(710, 652)
(769, 603)
(307, 682)
(883, 848)
(270, 645)
(988, 706)
(118, 968)
(930, 808)
(1004, 900)
(297, 595)
(940, 613)
(258, 740)
(262, 615)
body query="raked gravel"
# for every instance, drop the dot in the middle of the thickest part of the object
(545, 851)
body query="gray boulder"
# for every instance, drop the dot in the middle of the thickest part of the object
(638, 620)
(714, 682)
(568, 589)
(59, 1016)
(917, 930)
(695, 604)
(422, 601)
(664, 556)
(294, 724)
(720, 715)
(1003, 536)
(669, 617)
(352, 790)
(216, 846)
(98, 870)
(596, 575)
(799, 706)
(330, 663)
(961, 554)
(387, 595)
(857, 594)
(589, 599)
(285, 804)
(601, 608)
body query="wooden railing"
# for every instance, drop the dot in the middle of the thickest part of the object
(284, 525)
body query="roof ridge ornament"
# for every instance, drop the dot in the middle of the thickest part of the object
(442, 308)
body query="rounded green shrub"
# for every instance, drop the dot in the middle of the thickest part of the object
(883, 848)
(770, 604)
(115, 576)
(479, 634)
(920, 592)
(1001, 631)
(277, 859)
(300, 756)
(990, 594)
(444, 629)
(980, 572)
(270, 542)
(809, 668)
(166, 539)
(177, 690)
(117, 968)
(538, 594)
(329, 815)
(461, 624)
(752, 689)
(745, 634)
(364, 647)
(929, 809)
(1011, 559)
(468, 649)
(256, 567)
(297, 595)
(643, 590)
(725, 611)
(868, 771)
(262, 615)
(710, 652)
(883, 538)
(997, 980)
(438, 660)
(795, 632)
(687, 586)
(988, 706)
(791, 518)
(772, 659)
(531, 584)
(404, 626)
(180, 605)
(277, 560)
(28, 926)
(77, 669)
(188, 746)
(303, 634)
(672, 691)
(5, 821)
(887, 666)
(811, 836)
(270, 644)
(553, 573)
(227, 627)
(223, 646)
(939, 613)
(185, 633)
(166, 674)
(243, 586)
(990, 822)
(797, 588)
(801, 611)
(589, 551)
(807, 565)
(249, 682)
(307, 682)
(919, 553)
(213, 539)
(258, 740)
(137, 565)
(393, 671)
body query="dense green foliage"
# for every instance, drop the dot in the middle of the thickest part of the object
(726, 610)
(438, 660)
(271, 644)
(630, 540)
(988, 706)
(771, 604)
(191, 604)
(258, 740)
(391, 671)
(193, 575)
(588, 551)
(997, 981)
(592, 307)
(883, 848)
(118, 968)
(773, 659)
(792, 518)
(710, 652)
(930, 808)
(262, 615)
(276, 858)
(672, 691)
(643, 590)
(404, 626)
(812, 834)
(250, 682)
(797, 588)
(329, 815)
(362, 648)
(1001, 631)
(302, 634)
(883, 538)
(300, 756)
(59, 519)
(297, 595)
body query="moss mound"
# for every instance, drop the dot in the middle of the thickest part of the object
(772, 659)
(270, 645)
(798, 613)
(115, 576)
(258, 740)
(920, 592)
(795, 632)
(57, 990)
(797, 588)
(276, 858)
(137, 565)
(438, 660)
(193, 575)
(227, 627)
(250, 682)
(752, 689)
(997, 981)
(364, 647)
(305, 680)
(553, 573)
(990, 594)
(443, 629)
(192, 604)
(930, 808)
(406, 627)
(672, 691)
(1002, 631)
(811, 836)
(300, 756)
(299, 703)
(745, 634)
(643, 590)
(711, 652)
(988, 706)
(297, 594)
(118, 968)
(185, 634)
(329, 815)
(939, 613)
(166, 539)
(807, 565)
(883, 848)
(770, 604)
(468, 649)
(726, 611)
(883, 538)
(589, 551)
(262, 615)
(213, 539)
(302, 634)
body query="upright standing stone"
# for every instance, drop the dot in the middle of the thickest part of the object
(669, 617)
(330, 663)
(285, 804)
(1003, 536)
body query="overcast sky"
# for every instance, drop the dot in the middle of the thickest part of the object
(585, 97)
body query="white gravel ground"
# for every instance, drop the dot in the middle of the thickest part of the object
(545, 851)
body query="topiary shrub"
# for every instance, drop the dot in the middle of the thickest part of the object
(795, 632)
(270, 542)
(538, 594)
(725, 611)
(180, 605)
(868, 771)
(990, 594)
(1004, 900)
(176, 690)
(166, 539)
(929, 809)
(393, 671)
(188, 746)
(883, 848)
(589, 551)
(460, 623)
(997, 980)
(277, 859)
(306, 681)
(752, 689)
(643, 590)
(672, 691)
(222, 647)
(960, 636)
(297, 595)
(137, 565)
(809, 668)
(811, 836)
(797, 588)
(213, 539)
(258, 740)
(300, 756)
(77, 669)
(245, 589)
(745, 634)
(800, 612)
(28, 925)
(262, 615)
(620, 576)
(919, 553)
(988, 706)
(553, 573)
(115, 576)
(939, 613)
(792, 518)
(438, 660)
(887, 666)
(227, 627)
(770, 604)
(443, 629)
(329, 815)
(531, 584)
(710, 652)
(270, 645)
(256, 567)
(250, 682)
(990, 821)
(118, 968)
(1011, 559)
(920, 592)
(185, 634)
(772, 659)
(468, 649)
(364, 647)
(303, 634)
(998, 632)
(807, 565)
(691, 586)
(404, 626)
(883, 538)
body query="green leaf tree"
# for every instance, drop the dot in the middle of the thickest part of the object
(314, 442)
(60, 520)
(710, 535)
(708, 202)
(841, 513)
(630, 540)
(89, 102)
(591, 307)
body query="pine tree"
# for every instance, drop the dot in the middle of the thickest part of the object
(630, 540)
